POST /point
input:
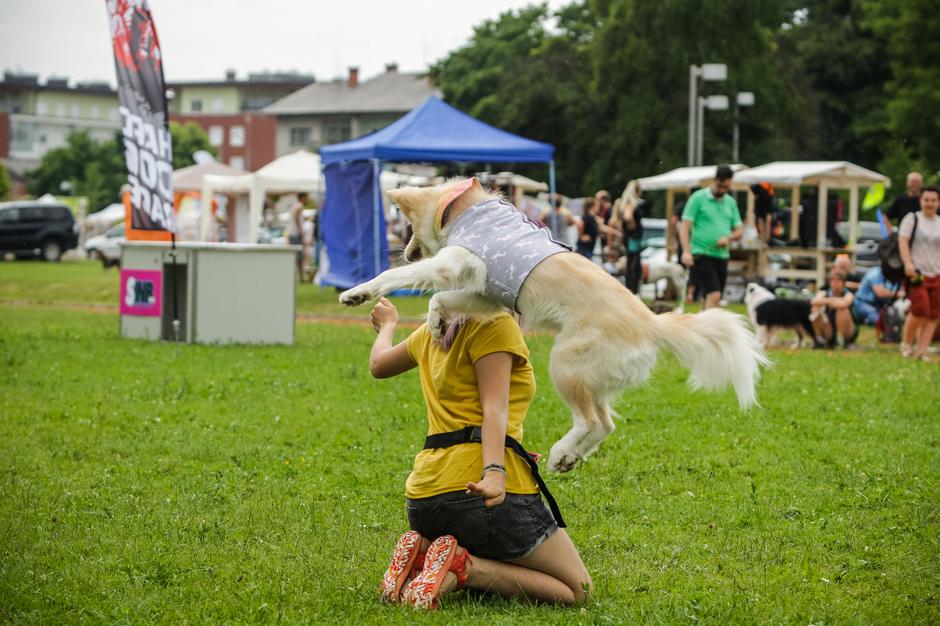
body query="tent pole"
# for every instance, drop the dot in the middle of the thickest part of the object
(551, 180)
(376, 177)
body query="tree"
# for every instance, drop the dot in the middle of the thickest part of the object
(187, 139)
(909, 29)
(93, 169)
(5, 183)
(97, 170)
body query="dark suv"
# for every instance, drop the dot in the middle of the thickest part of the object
(37, 229)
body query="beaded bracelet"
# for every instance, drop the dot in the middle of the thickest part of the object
(494, 467)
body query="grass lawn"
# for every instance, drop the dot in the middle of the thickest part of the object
(146, 482)
(85, 282)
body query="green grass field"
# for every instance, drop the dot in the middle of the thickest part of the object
(147, 482)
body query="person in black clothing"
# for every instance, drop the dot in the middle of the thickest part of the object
(634, 208)
(908, 203)
(587, 229)
(676, 219)
(590, 227)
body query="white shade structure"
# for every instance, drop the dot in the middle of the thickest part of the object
(189, 178)
(296, 172)
(682, 178)
(836, 174)
(826, 175)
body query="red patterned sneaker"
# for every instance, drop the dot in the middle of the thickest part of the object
(401, 567)
(444, 555)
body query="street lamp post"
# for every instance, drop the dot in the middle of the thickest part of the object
(707, 72)
(712, 103)
(743, 99)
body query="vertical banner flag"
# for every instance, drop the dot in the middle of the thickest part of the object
(142, 96)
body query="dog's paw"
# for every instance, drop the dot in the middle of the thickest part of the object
(437, 320)
(356, 296)
(562, 461)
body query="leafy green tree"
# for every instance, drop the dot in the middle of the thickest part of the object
(93, 169)
(5, 183)
(909, 28)
(97, 169)
(839, 64)
(188, 139)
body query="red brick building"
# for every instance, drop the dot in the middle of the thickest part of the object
(243, 140)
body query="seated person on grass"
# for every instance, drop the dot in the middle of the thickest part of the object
(833, 321)
(475, 507)
(873, 293)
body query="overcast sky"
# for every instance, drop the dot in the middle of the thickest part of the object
(203, 38)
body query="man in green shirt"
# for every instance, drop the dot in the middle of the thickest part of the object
(710, 222)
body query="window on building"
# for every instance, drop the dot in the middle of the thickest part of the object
(237, 161)
(113, 113)
(75, 110)
(217, 105)
(216, 136)
(236, 136)
(335, 133)
(60, 110)
(195, 105)
(42, 108)
(300, 136)
(95, 111)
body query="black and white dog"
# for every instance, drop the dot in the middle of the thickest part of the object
(770, 314)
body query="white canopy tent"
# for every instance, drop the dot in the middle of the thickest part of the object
(682, 178)
(189, 178)
(826, 175)
(300, 171)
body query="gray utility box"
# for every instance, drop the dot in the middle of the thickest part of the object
(225, 293)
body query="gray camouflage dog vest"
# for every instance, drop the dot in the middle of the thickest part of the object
(508, 243)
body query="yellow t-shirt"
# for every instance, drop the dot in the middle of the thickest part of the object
(449, 383)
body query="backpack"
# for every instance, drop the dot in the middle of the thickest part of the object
(889, 254)
(890, 324)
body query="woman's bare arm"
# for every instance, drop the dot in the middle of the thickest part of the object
(493, 371)
(387, 360)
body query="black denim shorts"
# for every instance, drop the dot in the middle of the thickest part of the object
(507, 531)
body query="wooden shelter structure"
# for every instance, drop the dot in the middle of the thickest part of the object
(826, 175)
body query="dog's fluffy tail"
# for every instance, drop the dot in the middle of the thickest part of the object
(717, 348)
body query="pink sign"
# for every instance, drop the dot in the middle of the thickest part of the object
(141, 292)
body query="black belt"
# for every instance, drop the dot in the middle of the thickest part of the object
(474, 434)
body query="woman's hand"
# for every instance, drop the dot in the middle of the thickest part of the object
(492, 488)
(383, 314)
(910, 270)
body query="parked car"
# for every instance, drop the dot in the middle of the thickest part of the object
(869, 234)
(31, 229)
(107, 247)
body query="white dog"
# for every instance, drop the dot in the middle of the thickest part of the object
(606, 338)
(672, 271)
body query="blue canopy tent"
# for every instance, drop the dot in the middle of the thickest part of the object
(434, 131)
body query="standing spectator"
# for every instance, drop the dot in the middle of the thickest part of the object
(635, 208)
(902, 205)
(558, 219)
(603, 202)
(676, 220)
(833, 321)
(710, 222)
(919, 240)
(295, 230)
(589, 228)
(873, 293)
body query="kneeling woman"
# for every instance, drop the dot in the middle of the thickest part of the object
(475, 510)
